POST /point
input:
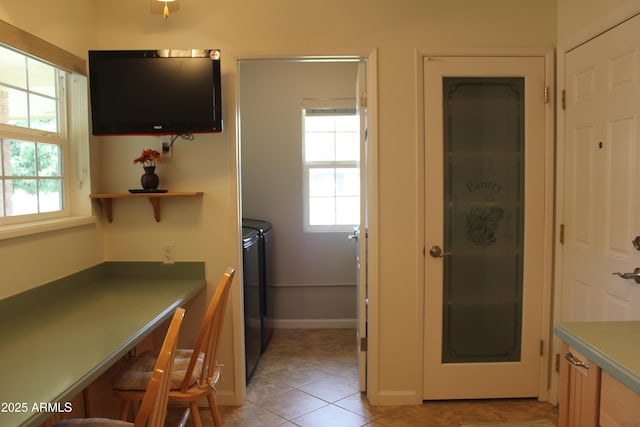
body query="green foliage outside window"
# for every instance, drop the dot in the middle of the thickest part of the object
(31, 160)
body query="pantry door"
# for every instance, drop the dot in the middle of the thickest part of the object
(484, 226)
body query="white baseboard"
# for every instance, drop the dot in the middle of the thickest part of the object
(408, 397)
(313, 285)
(314, 323)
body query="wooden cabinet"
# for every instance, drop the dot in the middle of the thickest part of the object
(606, 394)
(619, 405)
(579, 390)
(590, 397)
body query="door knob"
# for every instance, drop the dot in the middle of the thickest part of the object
(635, 275)
(436, 252)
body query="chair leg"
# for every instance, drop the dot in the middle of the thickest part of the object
(184, 418)
(195, 414)
(217, 420)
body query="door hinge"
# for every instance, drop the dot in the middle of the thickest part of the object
(541, 347)
(561, 237)
(557, 362)
(546, 94)
(363, 99)
(363, 344)
(563, 99)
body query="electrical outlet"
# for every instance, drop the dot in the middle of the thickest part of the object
(168, 253)
(166, 149)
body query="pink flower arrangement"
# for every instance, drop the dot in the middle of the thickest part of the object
(149, 157)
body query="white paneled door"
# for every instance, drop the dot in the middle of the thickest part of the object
(602, 189)
(485, 210)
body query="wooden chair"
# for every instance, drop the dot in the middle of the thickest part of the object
(153, 408)
(196, 372)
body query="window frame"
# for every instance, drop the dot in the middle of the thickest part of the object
(73, 116)
(338, 105)
(59, 138)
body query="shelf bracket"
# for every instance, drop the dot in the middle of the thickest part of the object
(155, 202)
(108, 208)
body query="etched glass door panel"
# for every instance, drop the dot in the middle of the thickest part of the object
(483, 218)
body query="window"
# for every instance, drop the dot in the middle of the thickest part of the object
(32, 138)
(331, 155)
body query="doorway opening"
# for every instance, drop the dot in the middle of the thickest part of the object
(315, 275)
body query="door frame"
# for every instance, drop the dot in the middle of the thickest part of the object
(546, 367)
(233, 126)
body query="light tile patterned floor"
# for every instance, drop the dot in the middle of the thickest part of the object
(309, 378)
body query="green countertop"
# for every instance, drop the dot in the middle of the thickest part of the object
(614, 346)
(56, 339)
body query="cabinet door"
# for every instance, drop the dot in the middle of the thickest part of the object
(579, 390)
(619, 405)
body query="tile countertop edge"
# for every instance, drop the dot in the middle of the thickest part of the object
(600, 357)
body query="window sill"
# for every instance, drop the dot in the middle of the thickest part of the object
(36, 227)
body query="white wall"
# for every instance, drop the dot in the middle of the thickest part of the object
(207, 229)
(579, 20)
(314, 273)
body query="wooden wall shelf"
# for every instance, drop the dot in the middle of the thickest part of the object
(154, 198)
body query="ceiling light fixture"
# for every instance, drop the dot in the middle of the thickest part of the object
(165, 12)
(164, 7)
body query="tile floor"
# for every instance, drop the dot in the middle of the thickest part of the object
(309, 378)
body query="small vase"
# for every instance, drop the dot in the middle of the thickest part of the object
(149, 180)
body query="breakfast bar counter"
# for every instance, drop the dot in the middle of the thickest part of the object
(57, 338)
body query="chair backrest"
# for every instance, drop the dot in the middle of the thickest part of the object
(153, 408)
(209, 335)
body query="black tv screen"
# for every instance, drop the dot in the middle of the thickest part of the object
(155, 92)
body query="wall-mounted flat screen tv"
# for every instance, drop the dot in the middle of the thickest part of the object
(155, 92)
